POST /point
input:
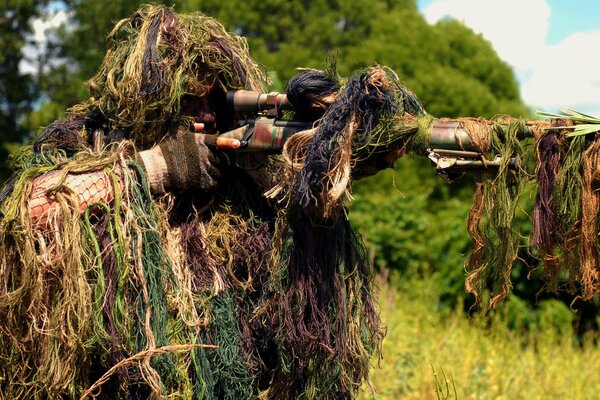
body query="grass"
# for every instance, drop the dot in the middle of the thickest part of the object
(430, 353)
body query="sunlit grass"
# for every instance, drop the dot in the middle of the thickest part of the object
(479, 358)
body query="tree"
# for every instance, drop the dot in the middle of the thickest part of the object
(17, 90)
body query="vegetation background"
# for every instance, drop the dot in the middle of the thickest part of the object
(532, 347)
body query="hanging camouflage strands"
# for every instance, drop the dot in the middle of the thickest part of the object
(565, 216)
(326, 300)
(575, 199)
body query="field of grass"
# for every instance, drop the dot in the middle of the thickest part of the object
(431, 354)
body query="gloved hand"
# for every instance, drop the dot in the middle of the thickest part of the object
(180, 163)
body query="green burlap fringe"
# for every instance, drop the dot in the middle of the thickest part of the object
(564, 220)
(327, 326)
(84, 293)
(491, 219)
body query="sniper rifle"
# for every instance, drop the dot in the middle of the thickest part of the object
(450, 147)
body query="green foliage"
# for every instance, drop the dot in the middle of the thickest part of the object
(549, 315)
(452, 70)
(586, 124)
(445, 387)
(415, 223)
(473, 56)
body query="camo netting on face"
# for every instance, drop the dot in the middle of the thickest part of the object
(156, 57)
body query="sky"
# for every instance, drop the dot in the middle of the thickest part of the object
(552, 45)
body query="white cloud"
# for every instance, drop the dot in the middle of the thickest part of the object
(516, 28)
(551, 77)
(567, 76)
(41, 26)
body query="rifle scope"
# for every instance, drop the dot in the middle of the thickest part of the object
(248, 101)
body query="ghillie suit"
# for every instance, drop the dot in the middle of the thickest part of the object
(92, 271)
(210, 290)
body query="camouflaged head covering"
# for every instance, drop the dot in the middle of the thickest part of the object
(154, 58)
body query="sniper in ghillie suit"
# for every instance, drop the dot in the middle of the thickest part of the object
(182, 233)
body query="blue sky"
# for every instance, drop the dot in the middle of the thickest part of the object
(570, 16)
(549, 43)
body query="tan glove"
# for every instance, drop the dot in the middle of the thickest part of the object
(181, 163)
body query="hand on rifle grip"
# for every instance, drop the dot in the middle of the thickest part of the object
(181, 163)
